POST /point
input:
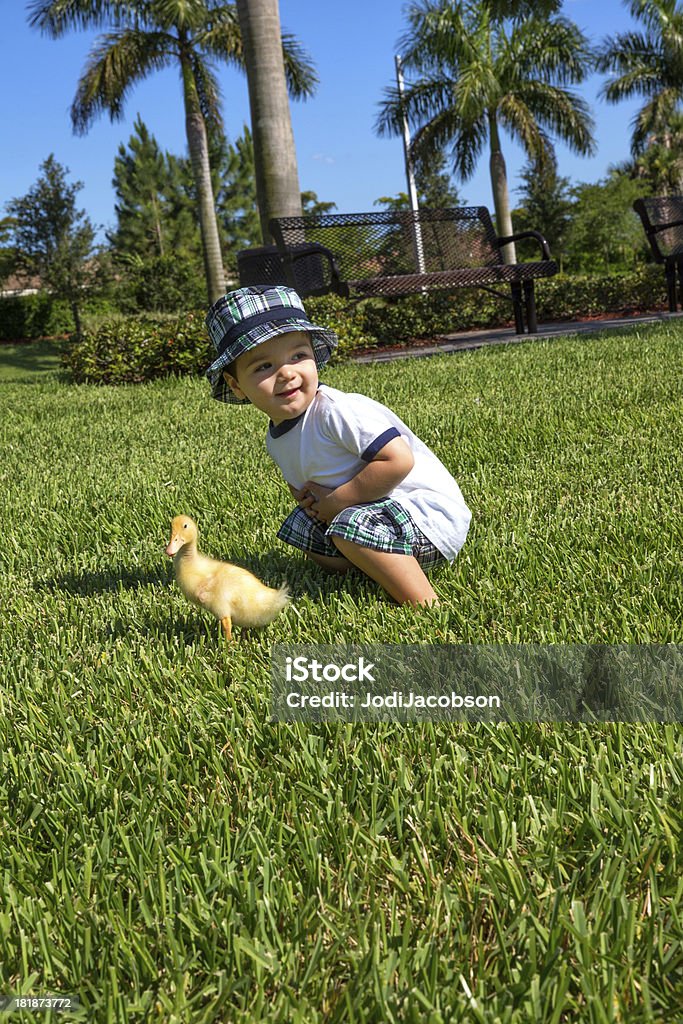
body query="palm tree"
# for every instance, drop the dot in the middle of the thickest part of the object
(483, 66)
(146, 36)
(648, 64)
(277, 179)
(659, 164)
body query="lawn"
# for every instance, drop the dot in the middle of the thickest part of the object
(169, 854)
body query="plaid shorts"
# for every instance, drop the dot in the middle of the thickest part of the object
(383, 525)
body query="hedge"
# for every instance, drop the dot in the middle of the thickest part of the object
(27, 317)
(144, 347)
(129, 350)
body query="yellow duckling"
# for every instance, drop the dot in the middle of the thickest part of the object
(230, 593)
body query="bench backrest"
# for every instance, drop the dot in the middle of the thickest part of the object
(654, 211)
(367, 245)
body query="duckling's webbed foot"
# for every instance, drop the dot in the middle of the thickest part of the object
(227, 627)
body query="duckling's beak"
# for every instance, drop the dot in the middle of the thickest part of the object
(174, 545)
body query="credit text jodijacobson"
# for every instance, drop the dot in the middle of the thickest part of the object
(396, 699)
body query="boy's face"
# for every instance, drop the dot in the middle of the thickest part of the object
(279, 376)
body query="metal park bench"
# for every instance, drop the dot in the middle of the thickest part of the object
(662, 218)
(403, 252)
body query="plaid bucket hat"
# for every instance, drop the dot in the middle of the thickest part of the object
(249, 316)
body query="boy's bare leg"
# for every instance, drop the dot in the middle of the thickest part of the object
(400, 575)
(329, 562)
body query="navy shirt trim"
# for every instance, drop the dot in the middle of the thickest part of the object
(285, 426)
(379, 443)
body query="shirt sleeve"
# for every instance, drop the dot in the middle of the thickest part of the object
(359, 425)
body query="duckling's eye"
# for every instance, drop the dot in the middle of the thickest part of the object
(185, 525)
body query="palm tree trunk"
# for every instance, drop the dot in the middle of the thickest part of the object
(277, 179)
(198, 146)
(499, 185)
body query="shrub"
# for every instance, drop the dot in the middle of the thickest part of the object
(33, 316)
(568, 296)
(145, 346)
(171, 283)
(139, 348)
(27, 317)
(344, 317)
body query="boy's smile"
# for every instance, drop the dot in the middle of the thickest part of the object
(279, 376)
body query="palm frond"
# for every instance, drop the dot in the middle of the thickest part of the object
(656, 15)
(300, 72)
(515, 116)
(555, 51)
(420, 102)
(628, 51)
(639, 73)
(221, 36)
(185, 15)
(467, 147)
(118, 61)
(556, 112)
(653, 118)
(442, 35)
(445, 132)
(55, 17)
(523, 9)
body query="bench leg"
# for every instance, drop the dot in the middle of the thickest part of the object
(670, 271)
(530, 305)
(516, 290)
(680, 283)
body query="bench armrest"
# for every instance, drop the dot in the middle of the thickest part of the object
(506, 239)
(654, 229)
(290, 254)
(310, 249)
(298, 250)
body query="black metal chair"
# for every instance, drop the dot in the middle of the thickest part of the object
(662, 218)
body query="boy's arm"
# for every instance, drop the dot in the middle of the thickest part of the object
(389, 467)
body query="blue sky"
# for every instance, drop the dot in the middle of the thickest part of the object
(352, 44)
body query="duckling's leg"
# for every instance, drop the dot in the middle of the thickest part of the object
(227, 627)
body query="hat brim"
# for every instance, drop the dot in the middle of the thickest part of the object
(323, 342)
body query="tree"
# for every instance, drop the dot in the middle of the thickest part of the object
(648, 64)
(483, 67)
(8, 257)
(605, 234)
(155, 211)
(546, 205)
(311, 206)
(149, 35)
(236, 196)
(52, 239)
(277, 178)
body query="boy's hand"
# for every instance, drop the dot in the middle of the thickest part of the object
(323, 504)
(306, 497)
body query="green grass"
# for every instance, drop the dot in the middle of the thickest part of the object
(168, 854)
(29, 363)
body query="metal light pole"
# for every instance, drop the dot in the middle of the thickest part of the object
(410, 176)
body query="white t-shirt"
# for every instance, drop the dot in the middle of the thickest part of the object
(340, 433)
